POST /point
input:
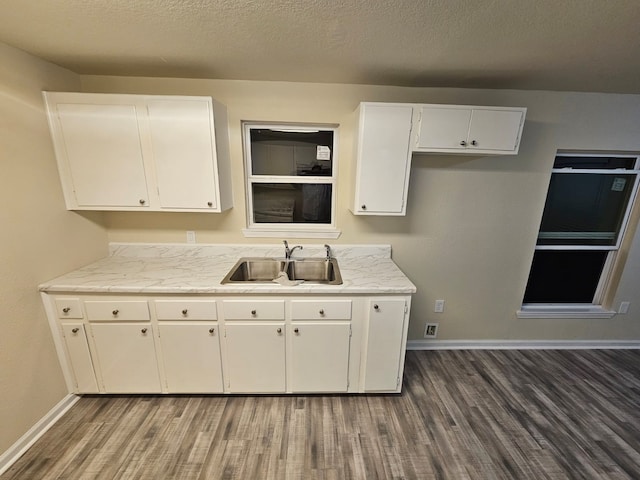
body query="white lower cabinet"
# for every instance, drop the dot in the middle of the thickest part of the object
(126, 357)
(233, 344)
(320, 356)
(75, 341)
(385, 345)
(191, 357)
(255, 357)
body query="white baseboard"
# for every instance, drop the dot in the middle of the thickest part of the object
(521, 344)
(28, 439)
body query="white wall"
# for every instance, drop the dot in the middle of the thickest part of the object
(471, 223)
(39, 240)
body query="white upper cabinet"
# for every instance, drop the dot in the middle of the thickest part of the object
(141, 152)
(468, 130)
(383, 159)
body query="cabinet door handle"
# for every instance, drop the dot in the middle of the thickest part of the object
(321, 312)
(474, 143)
(142, 201)
(115, 312)
(210, 204)
(296, 330)
(253, 312)
(184, 312)
(212, 331)
(463, 143)
(75, 330)
(144, 331)
(364, 207)
(279, 330)
(376, 307)
(66, 309)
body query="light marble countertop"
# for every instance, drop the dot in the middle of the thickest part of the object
(199, 269)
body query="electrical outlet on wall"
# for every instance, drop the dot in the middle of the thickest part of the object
(431, 330)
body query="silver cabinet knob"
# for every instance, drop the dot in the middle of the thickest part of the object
(184, 312)
(296, 330)
(210, 204)
(364, 207)
(253, 312)
(321, 312)
(376, 307)
(144, 331)
(75, 330)
(279, 330)
(212, 331)
(474, 143)
(142, 201)
(463, 143)
(66, 309)
(115, 312)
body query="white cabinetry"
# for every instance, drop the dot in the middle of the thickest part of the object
(141, 152)
(385, 344)
(383, 159)
(469, 130)
(133, 343)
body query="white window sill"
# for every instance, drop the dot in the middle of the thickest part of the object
(285, 233)
(564, 311)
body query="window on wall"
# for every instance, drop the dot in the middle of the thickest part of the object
(584, 220)
(290, 174)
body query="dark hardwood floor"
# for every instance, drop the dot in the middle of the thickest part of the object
(529, 414)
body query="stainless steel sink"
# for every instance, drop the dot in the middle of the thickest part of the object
(264, 270)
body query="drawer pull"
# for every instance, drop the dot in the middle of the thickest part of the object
(115, 312)
(212, 331)
(376, 307)
(75, 330)
(253, 312)
(66, 309)
(296, 330)
(144, 331)
(321, 312)
(184, 312)
(279, 330)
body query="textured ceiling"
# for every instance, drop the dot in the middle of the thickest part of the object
(580, 45)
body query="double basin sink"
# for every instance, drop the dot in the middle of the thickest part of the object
(310, 270)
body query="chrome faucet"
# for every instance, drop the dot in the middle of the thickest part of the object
(289, 251)
(328, 248)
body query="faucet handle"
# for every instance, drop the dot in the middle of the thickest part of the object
(328, 248)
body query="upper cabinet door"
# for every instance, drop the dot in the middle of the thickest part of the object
(383, 159)
(133, 152)
(104, 154)
(469, 130)
(443, 128)
(182, 142)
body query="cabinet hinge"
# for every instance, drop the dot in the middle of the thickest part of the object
(398, 382)
(350, 331)
(406, 307)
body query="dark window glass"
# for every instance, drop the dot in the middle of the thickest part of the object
(291, 203)
(585, 209)
(608, 163)
(291, 153)
(559, 276)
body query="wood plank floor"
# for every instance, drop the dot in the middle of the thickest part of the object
(527, 414)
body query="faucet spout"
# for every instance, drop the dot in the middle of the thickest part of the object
(289, 251)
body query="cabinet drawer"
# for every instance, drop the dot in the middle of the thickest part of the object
(321, 309)
(186, 309)
(117, 310)
(67, 307)
(253, 310)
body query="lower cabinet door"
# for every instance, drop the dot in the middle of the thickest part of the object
(384, 345)
(191, 357)
(75, 340)
(320, 356)
(126, 357)
(255, 354)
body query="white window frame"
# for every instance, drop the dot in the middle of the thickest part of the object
(289, 230)
(595, 309)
